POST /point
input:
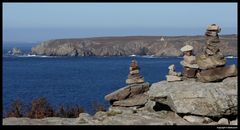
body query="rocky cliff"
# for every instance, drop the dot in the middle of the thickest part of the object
(124, 46)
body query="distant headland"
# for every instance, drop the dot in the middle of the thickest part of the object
(131, 45)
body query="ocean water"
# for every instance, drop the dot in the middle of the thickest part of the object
(75, 80)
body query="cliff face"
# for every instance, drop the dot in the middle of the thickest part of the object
(138, 45)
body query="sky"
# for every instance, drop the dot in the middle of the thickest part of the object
(34, 22)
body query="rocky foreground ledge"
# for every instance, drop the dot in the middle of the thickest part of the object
(167, 103)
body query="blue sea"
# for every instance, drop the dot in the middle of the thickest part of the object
(79, 81)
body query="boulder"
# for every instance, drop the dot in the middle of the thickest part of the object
(191, 97)
(217, 74)
(223, 121)
(171, 78)
(137, 100)
(234, 122)
(127, 92)
(208, 62)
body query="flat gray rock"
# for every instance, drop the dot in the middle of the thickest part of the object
(137, 100)
(127, 92)
(191, 97)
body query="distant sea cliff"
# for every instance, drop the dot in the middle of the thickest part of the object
(129, 45)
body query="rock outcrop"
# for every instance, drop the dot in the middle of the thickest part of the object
(190, 103)
(15, 52)
(196, 98)
(124, 46)
(131, 93)
(112, 117)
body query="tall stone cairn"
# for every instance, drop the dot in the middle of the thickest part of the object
(134, 76)
(212, 62)
(212, 57)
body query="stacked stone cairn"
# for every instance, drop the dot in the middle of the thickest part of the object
(212, 62)
(190, 67)
(134, 76)
(173, 75)
(132, 95)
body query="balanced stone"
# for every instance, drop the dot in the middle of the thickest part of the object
(171, 78)
(214, 27)
(173, 75)
(189, 63)
(135, 80)
(134, 76)
(134, 72)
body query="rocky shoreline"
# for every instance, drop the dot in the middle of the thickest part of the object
(185, 102)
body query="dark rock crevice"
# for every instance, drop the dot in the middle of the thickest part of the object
(159, 107)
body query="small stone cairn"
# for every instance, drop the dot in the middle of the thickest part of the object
(173, 75)
(134, 76)
(189, 64)
(132, 95)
